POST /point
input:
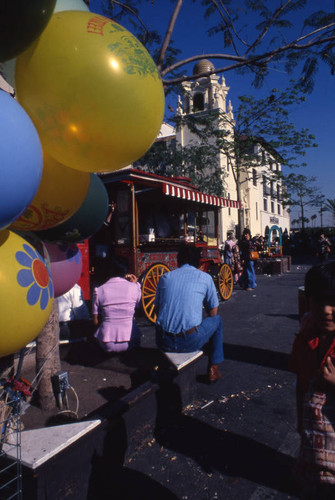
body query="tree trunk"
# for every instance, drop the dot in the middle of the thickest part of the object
(239, 198)
(47, 356)
(302, 216)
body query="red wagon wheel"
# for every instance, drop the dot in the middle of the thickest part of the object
(149, 286)
(225, 282)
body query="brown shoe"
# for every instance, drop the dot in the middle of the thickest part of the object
(213, 373)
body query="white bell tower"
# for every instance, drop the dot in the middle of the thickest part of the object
(203, 95)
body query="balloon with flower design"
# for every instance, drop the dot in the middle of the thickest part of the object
(26, 292)
(65, 266)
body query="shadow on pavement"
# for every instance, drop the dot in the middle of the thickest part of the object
(290, 316)
(109, 478)
(257, 356)
(233, 455)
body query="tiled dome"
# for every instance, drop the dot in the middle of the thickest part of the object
(202, 66)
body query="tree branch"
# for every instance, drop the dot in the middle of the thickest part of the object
(126, 7)
(268, 25)
(242, 61)
(233, 27)
(228, 24)
(168, 35)
(197, 58)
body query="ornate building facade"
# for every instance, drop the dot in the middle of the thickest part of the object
(260, 190)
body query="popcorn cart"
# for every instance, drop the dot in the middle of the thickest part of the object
(152, 216)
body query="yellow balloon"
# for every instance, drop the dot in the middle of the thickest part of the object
(26, 293)
(92, 91)
(61, 192)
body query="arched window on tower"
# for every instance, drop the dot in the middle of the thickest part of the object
(198, 102)
(187, 105)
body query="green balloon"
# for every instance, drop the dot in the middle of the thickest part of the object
(86, 221)
(21, 23)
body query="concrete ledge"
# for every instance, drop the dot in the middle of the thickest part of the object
(77, 461)
(181, 359)
(39, 445)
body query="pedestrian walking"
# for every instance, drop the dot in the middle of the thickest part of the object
(323, 248)
(248, 278)
(237, 267)
(229, 244)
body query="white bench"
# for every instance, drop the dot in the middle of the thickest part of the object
(181, 359)
(39, 445)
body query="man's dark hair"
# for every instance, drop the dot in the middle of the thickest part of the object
(188, 255)
(320, 280)
(246, 231)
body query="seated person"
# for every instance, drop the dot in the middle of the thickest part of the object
(71, 307)
(114, 302)
(179, 301)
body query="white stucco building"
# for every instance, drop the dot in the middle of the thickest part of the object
(261, 191)
(262, 196)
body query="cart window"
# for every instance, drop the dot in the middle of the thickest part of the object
(182, 225)
(208, 227)
(190, 226)
(122, 222)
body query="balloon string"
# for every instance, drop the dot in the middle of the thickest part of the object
(42, 367)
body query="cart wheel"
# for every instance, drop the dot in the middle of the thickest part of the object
(149, 285)
(225, 282)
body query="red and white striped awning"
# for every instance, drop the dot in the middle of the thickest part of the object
(192, 195)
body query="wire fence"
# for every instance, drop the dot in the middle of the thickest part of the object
(10, 443)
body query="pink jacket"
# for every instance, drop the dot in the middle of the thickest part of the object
(115, 301)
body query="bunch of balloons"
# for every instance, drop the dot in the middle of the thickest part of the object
(89, 100)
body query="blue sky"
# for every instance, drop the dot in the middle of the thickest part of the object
(317, 113)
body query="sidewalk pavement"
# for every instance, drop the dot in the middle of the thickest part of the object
(238, 439)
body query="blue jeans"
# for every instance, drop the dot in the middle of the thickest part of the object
(210, 330)
(248, 278)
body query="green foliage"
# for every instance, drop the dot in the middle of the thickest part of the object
(301, 191)
(199, 162)
(260, 36)
(330, 207)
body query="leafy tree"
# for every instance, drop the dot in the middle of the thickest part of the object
(330, 207)
(301, 192)
(285, 35)
(199, 160)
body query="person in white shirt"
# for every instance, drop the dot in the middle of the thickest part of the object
(71, 307)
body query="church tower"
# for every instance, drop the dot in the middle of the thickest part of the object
(202, 96)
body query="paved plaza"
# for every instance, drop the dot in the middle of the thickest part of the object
(238, 438)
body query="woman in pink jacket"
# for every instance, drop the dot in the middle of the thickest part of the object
(113, 309)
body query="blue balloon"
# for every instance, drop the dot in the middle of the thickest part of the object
(21, 160)
(62, 5)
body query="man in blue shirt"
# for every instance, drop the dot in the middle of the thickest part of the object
(180, 297)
